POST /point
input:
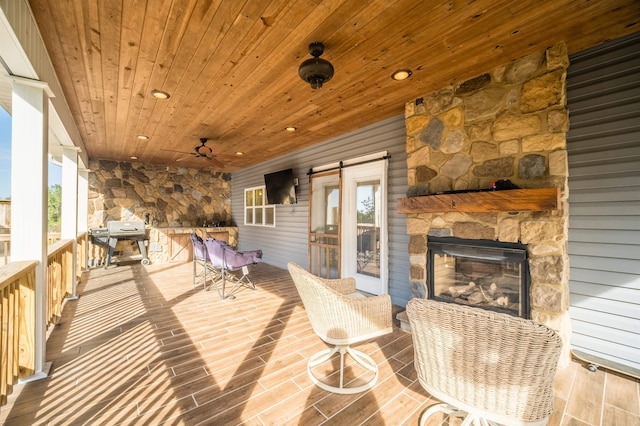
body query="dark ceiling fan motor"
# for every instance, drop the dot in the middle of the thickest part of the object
(203, 150)
(316, 71)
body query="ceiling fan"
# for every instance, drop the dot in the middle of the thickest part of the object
(200, 151)
(203, 150)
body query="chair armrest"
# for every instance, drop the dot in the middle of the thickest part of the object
(235, 260)
(255, 255)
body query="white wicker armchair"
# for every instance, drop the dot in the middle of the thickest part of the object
(340, 316)
(487, 366)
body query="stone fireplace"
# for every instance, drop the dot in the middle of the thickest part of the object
(506, 125)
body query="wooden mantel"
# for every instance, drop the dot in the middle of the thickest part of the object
(511, 200)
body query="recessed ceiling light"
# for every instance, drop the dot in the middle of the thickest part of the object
(143, 137)
(290, 129)
(133, 157)
(401, 75)
(239, 153)
(159, 94)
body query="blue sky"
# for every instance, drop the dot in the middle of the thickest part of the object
(55, 172)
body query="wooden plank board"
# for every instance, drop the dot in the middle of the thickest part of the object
(230, 66)
(538, 199)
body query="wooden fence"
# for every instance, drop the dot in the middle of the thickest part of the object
(18, 307)
(5, 240)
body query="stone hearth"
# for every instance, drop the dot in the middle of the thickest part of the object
(509, 123)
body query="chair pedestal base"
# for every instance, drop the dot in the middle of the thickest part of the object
(472, 418)
(362, 359)
(450, 410)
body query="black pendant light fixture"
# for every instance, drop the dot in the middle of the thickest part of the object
(316, 71)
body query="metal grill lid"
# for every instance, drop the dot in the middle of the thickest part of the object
(123, 227)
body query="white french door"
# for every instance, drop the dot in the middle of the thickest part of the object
(364, 226)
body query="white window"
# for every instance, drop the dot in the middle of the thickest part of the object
(256, 210)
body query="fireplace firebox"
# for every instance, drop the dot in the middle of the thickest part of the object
(481, 273)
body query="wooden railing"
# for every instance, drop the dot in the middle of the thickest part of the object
(18, 307)
(17, 315)
(60, 276)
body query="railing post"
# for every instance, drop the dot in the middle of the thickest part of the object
(70, 269)
(69, 226)
(28, 327)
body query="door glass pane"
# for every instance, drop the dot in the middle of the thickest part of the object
(332, 196)
(368, 228)
(324, 242)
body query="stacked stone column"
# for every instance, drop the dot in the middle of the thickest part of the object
(509, 123)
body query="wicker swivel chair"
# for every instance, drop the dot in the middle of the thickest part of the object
(341, 317)
(487, 366)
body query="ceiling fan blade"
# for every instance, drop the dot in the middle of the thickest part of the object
(202, 151)
(227, 156)
(216, 162)
(173, 150)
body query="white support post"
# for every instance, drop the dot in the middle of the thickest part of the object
(83, 200)
(83, 211)
(69, 208)
(68, 228)
(29, 191)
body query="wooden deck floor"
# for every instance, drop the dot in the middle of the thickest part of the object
(141, 346)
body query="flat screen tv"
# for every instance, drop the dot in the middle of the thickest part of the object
(280, 187)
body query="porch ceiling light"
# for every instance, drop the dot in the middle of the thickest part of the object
(143, 137)
(401, 75)
(159, 94)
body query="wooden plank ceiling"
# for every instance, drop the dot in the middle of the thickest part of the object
(230, 66)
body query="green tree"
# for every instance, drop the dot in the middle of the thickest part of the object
(365, 215)
(54, 206)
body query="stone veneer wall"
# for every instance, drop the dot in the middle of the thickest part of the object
(509, 123)
(173, 196)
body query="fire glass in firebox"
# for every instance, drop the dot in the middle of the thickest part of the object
(481, 273)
